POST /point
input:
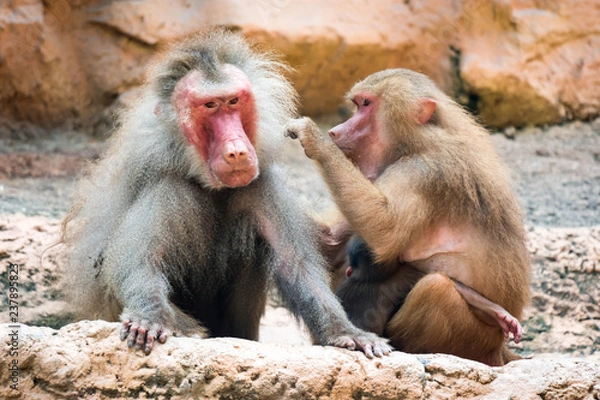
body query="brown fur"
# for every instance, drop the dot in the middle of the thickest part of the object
(441, 173)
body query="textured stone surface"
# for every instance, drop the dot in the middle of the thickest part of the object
(516, 62)
(531, 62)
(88, 360)
(564, 315)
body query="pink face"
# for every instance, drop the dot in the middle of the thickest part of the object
(219, 121)
(350, 135)
(360, 136)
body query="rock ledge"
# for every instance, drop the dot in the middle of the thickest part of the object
(87, 360)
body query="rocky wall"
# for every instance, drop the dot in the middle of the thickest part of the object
(514, 62)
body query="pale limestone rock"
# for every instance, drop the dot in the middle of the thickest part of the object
(87, 360)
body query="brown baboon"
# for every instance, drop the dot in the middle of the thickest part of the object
(418, 179)
(185, 220)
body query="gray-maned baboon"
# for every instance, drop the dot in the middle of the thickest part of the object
(418, 179)
(184, 221)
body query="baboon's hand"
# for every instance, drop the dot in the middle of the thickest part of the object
(143, 333)
(368, 343)
(309, 134)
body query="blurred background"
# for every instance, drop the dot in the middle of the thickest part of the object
(513, 62)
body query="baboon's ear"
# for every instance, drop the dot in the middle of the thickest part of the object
(426, 109)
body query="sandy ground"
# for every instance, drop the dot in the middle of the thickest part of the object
(557, 178)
